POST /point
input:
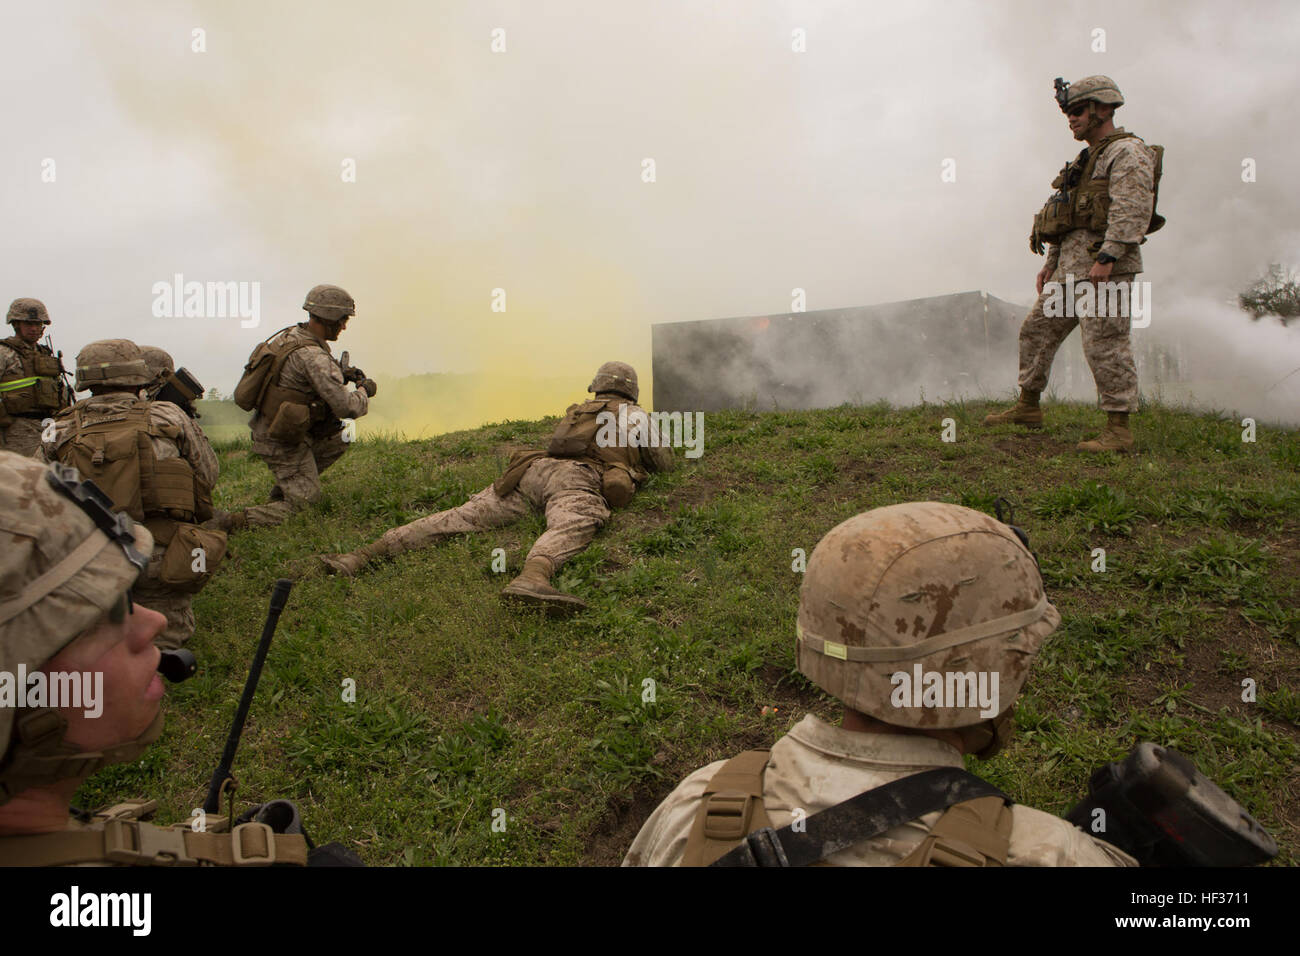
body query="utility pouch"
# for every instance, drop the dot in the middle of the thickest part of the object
(290, 423)
(177, 569)
(616, 485)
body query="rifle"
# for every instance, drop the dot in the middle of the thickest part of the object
(181, 389)
(1155, 806)
(1159, 808)
(350, 372)
(66, 391)
(357, 377)
(222, 780)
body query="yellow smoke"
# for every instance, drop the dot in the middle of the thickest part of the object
(448, 205)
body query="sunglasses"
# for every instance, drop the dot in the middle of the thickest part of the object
(124, 606)
(1078, 110)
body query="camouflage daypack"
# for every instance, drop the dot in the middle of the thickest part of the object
(114, 449)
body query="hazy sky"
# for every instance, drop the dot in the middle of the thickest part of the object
(523, 170)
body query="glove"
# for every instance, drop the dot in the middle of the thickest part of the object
(369, 387)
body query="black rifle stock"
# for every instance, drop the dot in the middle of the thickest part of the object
(279, 597)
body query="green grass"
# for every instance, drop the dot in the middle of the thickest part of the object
(466, 709)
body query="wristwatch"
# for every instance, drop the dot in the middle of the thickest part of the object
(1105, 259)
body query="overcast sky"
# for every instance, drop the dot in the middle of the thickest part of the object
(523, 170)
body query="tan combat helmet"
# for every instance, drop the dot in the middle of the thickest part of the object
(617, 377)
(936, 585)
(28, 310)
(66, 562)
(329, 303)
(160, 362)
(1099, 89)
(111, 362)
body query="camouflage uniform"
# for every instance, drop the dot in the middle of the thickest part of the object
(1130, 166)
(21, 435)
(589, 464)
(816, 766)
(297, 468)
(66, 570)
(189, 442)
(933, 585)
(567, 491)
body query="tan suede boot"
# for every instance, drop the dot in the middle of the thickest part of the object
(533, 587)
(1115, 436)
(226, 521)
(1024, 412)
(350, 563)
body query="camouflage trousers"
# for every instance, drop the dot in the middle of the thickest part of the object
(21, 435)
(1106, 345)
(567, 491)
(173, 605)
(297, 470)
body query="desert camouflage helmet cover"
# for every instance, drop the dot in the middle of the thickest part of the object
(160, 361)
(1099, 88)
(618, 377)
(933, 584)
(111, 362)
(28, 310)
(59, 573)
(330, 303)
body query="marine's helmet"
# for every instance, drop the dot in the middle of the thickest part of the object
(28, 310)
(67, 561)
(160, 362)
(329, 303)
(918, 589)
(617, 377)
(111, 362)
(1101, 89)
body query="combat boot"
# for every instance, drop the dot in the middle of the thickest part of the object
(350, 563)
(1115, 436)
(533, 586)
(226, 521)
(1025, 412)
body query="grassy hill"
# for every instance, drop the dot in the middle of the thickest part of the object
(464, 705)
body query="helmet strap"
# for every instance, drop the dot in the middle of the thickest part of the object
(987, 738)
(39, 756)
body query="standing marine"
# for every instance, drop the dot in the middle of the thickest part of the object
(299, 397)
(1091, 229)
(590, 465)
(31, 379)
(153, 462)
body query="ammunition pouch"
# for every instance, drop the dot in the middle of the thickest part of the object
(291, 422)
(177, 569)
(576, 438)
(1083, 202)
(36, 390)
(617, 484)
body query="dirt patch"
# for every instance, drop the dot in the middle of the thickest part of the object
(1215, 686)
(789, 695)
(615, 833)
